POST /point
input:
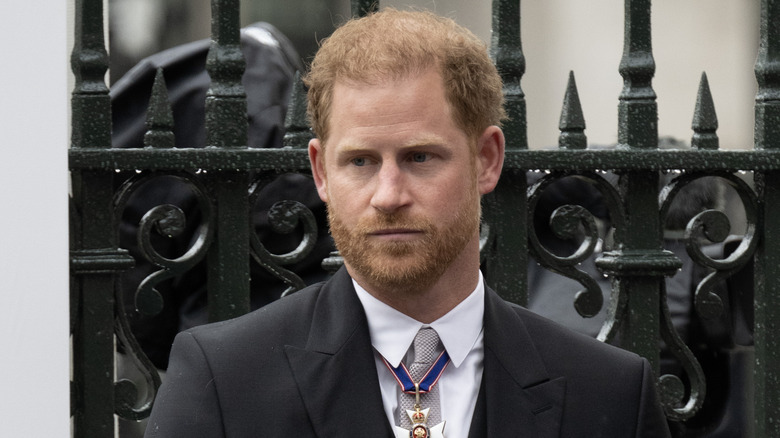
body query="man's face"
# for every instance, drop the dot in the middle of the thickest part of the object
(400, 180)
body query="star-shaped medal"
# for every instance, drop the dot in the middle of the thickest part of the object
(420, 429)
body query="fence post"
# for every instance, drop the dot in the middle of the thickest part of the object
(639, 261)
(767, 260)
(507, 260)
(226, 127)
(95, 258)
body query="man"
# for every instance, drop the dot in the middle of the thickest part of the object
(406, 108)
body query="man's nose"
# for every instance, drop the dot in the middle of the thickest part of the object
(390, 191)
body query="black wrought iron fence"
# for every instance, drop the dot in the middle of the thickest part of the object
(636, 182)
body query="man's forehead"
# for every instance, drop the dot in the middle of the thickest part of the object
(382, 95)
(425, 140)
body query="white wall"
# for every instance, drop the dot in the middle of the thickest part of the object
(34, 369)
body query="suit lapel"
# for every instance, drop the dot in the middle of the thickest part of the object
(332, 372)
(520, 397)
(478, 427)
(335, 372)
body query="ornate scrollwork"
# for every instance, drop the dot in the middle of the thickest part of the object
(714, 226)
(284, 218)
(125, 390)
(706, 226)
(570, 222)
(168, 221)
(671, 388)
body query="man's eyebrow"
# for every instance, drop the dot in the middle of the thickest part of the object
(427, 141)
(348, 148)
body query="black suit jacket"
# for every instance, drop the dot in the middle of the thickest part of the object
(304, 367)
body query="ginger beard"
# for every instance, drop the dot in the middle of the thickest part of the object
(406, 266)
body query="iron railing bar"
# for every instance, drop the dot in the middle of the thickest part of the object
(639, 188)
(226, 128)
(661, 160)
(90, 102)
(505, 263)
(297, 160)
(226, 115)
(767, 259)
(95, 259)
(507, 52)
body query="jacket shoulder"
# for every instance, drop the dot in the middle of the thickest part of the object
(568, 342)
(282, 321)
(607, 388)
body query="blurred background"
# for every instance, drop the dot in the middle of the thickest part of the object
(558, 36)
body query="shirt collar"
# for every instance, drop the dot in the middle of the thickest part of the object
(392, 332)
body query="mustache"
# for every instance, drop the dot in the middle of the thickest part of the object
(383, 221)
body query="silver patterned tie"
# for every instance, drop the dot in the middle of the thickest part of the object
(427, 348)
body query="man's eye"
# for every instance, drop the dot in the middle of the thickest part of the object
(420, 157)
(359, 161)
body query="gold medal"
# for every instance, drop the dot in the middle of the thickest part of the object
(419, 419)
(419, 423)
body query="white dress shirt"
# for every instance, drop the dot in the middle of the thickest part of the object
(460, 330)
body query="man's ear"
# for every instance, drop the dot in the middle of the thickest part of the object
(490, 158)
(317, 161)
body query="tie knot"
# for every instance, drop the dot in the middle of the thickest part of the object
(426, 346)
